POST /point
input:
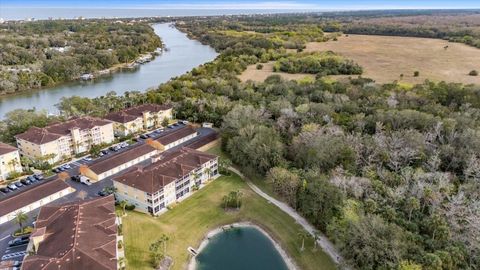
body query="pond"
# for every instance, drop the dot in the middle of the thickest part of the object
(238, 249)
(183, 55)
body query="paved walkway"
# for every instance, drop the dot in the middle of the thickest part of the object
(323, 242)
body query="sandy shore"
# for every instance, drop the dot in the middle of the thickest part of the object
(286, 258)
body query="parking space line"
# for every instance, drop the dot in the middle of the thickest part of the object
(4, 237)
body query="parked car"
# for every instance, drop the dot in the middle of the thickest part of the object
(4, 190)
(184, 122)
(12, 187)
(17, 242)
(61, 169)
(32, 178)
(170, 127)
(38, 176)
(105, 152)
(26, 182)
(88, 159)
(67, 166)
(18, 184)
(56, 170)
(84, 180)
(75, 178)
(144, 136)
(102, 193)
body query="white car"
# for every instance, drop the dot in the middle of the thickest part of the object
(88, 159)
(84, 180)
(12, 187)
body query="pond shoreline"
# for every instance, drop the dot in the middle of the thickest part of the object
(286, 258)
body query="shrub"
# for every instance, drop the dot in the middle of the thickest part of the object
(130, 207)
(259, 66)
(416, 73)
(473, 73)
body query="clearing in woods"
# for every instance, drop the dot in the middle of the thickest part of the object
(384, 58)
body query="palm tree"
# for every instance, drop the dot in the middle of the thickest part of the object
(123, 204)
(225, 200)
(155, 119)
(196, 176)
(208, 171)
(238, 197)
(20, 219)
(164, 239)
(13, 163)
(303, 235)
(122, 261)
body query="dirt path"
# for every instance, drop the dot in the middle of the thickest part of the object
(323, 242)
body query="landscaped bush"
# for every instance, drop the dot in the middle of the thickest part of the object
(473, 73)
(130, 207)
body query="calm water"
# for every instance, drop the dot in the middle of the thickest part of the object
(183, 55)
(240, 249)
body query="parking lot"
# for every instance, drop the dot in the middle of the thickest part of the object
(82, 191)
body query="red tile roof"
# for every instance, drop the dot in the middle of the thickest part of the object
(30, 195)
(169, 167)
(6, 148)
(116, 160)
(130, 114)
(54, 131)
(80, 235)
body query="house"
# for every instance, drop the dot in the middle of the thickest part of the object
(79, 235)
(61, 140)
(170, 178)
(116, 163)
(32, 198)
(138, 118)
(9, 161)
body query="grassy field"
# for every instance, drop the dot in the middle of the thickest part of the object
(252, 73)
(188, 222)
(384, 58)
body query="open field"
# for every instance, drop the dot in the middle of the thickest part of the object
(252, 73)
(384, 58)
(188, 222)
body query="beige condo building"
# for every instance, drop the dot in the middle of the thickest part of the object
(138, 118)
(170, 178)
(9, 161)
(61, 140)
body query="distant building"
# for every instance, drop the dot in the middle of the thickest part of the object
(80, 235)
(66, 139)
(9, 161)
(135, 119)
(169, 179)
(32, 198)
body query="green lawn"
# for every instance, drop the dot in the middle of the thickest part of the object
(188, 222)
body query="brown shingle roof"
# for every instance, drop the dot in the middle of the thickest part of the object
(176, 135)
(80, 235)
(121, 117)
(30, 195)
(54, 131)
(5, 149)
(130, 114)
(168, 168)
(116, 160)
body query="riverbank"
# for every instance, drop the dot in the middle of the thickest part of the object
(183, 55)
(286, 258)
(188, 222)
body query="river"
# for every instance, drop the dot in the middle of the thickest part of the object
(183, 54)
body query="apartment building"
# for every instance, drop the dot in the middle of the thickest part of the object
(78, 235)
(32, 198)
(116, 163)
(169, 179)
(61, 140)
(9, 161)
(138, 118)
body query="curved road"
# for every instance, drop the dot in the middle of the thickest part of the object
(323, 242)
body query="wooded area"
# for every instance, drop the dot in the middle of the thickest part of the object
(45, 53)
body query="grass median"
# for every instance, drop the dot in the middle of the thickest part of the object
(188, 222)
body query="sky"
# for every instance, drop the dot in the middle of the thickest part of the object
(248, 4)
